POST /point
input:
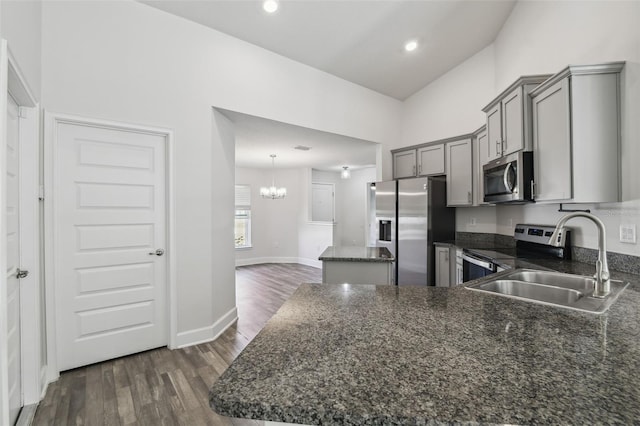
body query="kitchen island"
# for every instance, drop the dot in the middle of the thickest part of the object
(364, 354)
(356, 265)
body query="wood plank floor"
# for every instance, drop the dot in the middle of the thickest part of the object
(164, 387)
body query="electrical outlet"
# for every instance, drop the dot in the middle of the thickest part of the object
(628, 234)
(473, 221)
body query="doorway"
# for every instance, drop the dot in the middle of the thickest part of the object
(20, 362)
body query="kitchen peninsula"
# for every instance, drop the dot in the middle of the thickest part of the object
(364, 354)
(357, 265)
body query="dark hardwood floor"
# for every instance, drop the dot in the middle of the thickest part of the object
(164, 387)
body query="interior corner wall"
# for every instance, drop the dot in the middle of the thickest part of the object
(352, 203)
(126, 61)
(452, 104)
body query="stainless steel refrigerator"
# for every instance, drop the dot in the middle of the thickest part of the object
(410, 215)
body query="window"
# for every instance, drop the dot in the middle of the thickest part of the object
(242, 225)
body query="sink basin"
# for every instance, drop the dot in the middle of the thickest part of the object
(550, 288)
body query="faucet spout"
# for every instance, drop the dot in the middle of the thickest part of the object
(602, 276)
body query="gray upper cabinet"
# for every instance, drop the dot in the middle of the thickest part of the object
(422, 160)
(509, 118)
(404, 164)
(431, 160)
(459, 173)
(576, 135)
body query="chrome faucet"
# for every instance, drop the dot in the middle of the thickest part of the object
(603, 283)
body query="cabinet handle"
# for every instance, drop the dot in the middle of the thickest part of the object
(414, 170)
(419, 169)
(533, 190)
(469, 196)
(498, 144)
(503, 147)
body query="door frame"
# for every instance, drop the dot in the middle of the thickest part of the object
(12, 81)
(51, 150)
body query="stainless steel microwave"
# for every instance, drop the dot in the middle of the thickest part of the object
(509, 179)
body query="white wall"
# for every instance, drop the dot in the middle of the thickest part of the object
(451, 105)
(20, 25)
(128, 62)
(274, 223)
(541, 37)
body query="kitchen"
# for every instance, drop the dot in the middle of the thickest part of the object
(81, 66)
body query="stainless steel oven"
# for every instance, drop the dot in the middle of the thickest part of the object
(474, 267)
(509, 179)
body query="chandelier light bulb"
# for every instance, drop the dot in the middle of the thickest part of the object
(346, 173)
(272, 191)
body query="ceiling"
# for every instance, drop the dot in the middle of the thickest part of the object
(257, 138)
(359, 40)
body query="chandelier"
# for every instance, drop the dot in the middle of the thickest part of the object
(272, 191)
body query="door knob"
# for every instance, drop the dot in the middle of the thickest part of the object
(21, 274)
(158, 252)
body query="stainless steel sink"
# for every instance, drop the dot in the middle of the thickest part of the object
(550, 288)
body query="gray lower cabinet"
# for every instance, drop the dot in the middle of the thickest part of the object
(443, 278)
(404, 164)
(459, 173)
(576, 135)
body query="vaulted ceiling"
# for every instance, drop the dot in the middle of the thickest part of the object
(361, 41)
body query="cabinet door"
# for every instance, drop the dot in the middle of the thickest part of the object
(482, 147)
(512, 122)
(431, 160)
(404, 164)
(442, 267)
(494, 132)
(459, 173)
(552, 143)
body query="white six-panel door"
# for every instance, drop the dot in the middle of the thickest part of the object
(110, 289)
(14, 343)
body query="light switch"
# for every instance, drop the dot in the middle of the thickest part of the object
(628, 234)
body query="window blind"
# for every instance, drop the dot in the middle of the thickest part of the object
(243, 197)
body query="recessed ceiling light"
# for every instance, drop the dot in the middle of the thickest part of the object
(411, 45)
(270, 6)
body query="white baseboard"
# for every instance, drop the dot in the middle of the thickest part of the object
(207, 334)
(259, 260)
(310, 262)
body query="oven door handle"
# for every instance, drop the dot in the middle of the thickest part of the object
(478, 262)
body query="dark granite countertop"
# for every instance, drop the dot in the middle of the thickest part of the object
(356, 254)
(362, 354)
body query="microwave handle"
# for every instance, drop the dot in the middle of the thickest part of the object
(505, 178)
